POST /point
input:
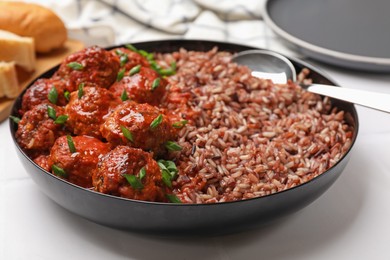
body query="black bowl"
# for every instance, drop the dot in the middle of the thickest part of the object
(188, 219)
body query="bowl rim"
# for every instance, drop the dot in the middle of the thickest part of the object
(296, 61)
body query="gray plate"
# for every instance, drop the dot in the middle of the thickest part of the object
(348, 33)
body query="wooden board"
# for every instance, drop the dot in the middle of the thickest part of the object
(44, 62)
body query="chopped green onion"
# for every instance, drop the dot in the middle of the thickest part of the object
(80, 92)
(126, 132)
(53, 95)
(144, 53)
(119, 52)
(163, 72)
(124, 95)
(155, 66)
(135, 70)
(170, 71)
(166, 178)
(142, 173)
(131, 47)
(61, 119)
(72, 148)
(173, 198)
(120, 75)
(180, 124)
(155, 83)
(15, 119)
(75, 66)
(156, 122)
(172, 146)
(59, 171)
(124, 59)
(134, 182)
(170, 166)
(67, 95)
(51, 112)
(168, 171)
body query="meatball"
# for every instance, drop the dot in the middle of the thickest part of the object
(37, 131)
(91, 66)
(143, 87)
(39, 91)
(43, 161)
(140, 126)
(129, 58)
(87, 110)
(110, 175)
(76, 166)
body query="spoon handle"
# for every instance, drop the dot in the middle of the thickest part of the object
(375, 100)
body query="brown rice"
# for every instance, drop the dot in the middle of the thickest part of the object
(250, 137)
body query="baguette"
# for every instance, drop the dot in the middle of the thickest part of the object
(17, 49)
(9, 86)
(32, 20)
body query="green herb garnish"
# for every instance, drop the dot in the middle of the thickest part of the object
(72, 148)
(180, 124)
(67, 95)
(173, 146)
(15, 119)
(142, 173)
(170, 71)
(135, 70)
(173, 198)
(134, 182)
(131, 47)
(59, 171)
(166, 178)
(53, 95)
(75, 66)
(156, 122)
(51, 112)
(61, 119)
(163, 72)
(124, 95)
(155, 83)
(80, 92)
(168, 171)
(126, 133)
(124, 59)
(120, 75)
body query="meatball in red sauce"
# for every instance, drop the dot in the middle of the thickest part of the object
(129, 59)
(76, 165)
(37, 130)
(88, 108)
(44, 91)
(140, 126)
(130, 173)
(145, 86)
(91, 66)
(43, 161)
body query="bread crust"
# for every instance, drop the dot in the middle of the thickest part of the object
(32, 20)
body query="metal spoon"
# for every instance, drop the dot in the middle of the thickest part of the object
(270, 65)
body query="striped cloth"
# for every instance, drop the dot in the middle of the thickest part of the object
(108, 22)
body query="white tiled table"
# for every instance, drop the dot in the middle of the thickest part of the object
(350, 221)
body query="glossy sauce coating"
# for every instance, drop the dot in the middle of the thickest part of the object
(78, 165)
(137, 118)
(37, 132)
(87, 113)
(139, 87)
(39, 91)
(92, 66)
(112, 135)
(109, 175)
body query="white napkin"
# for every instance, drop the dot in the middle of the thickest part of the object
(109, 22)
